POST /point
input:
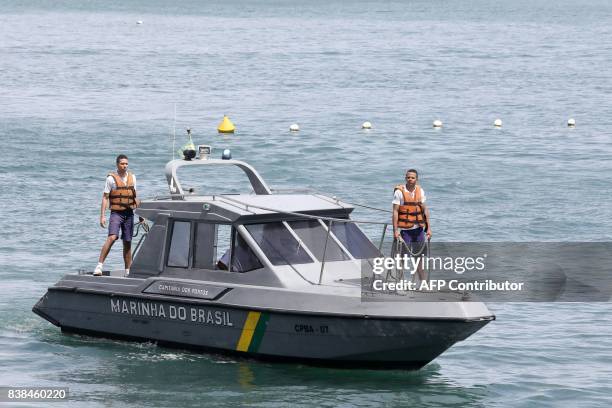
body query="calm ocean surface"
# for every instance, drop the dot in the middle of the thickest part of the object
(81, 82)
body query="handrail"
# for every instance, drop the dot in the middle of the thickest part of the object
(317, 192)
(329, 227)
(298, 214)
(260, 187)
(402, 247)
(258, 184)
(331, 220)
(145, 228)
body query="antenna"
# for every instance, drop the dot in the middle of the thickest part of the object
(174, 132)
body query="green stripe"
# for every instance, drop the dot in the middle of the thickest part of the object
(260, 330)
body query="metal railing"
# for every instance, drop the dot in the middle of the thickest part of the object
(399, 244)
(145, 228)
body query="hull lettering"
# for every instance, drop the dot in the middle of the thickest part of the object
(194, 314)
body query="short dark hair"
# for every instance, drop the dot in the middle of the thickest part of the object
(408, 171)
(121, 157)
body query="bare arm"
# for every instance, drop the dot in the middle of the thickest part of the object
(395, 219)
(428, 218)
(103, 208)
(136, 199)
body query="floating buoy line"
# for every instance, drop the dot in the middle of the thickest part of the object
(227, 126)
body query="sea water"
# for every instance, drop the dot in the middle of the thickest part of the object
(81, 82)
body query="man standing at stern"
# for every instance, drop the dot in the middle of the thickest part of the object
(120, 196)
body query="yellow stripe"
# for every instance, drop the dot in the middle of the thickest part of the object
(247, 331)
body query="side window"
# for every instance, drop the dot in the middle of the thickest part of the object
(204, 254)
(222, 246)
(178, 256)
(243, 258)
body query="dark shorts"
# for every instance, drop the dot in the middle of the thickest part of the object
(124, 221)
(413, 235)
(414, 238)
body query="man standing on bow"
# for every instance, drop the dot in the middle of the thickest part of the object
(411, 218)
(120, 195)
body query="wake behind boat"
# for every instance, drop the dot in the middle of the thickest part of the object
(258, 275)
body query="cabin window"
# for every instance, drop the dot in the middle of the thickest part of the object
(178, 256)
(243, 257)
(278, 244)
(212, 249)
(222, 246)
(355, 240)
(312, 233)
(204, 254)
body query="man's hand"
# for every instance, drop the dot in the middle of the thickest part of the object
(103, 221)
(396, 234)
(429, 234)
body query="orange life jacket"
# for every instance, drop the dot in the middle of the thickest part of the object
(411, 212)
(123, 197)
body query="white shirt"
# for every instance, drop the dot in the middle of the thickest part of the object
(111, 185)
(398, 198)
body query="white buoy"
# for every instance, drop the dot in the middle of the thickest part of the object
(366, 125)
(497, 123)
(294, 128)
(437, 123)
(571, 122)
(139, 22)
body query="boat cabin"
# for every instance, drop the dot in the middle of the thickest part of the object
(283, 240)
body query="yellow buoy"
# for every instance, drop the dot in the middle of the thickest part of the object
(226, 126)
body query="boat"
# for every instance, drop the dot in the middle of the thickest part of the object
(267, 275)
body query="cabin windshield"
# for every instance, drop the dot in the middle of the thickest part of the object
(278, 244)
(353, 239)
(281, 247)
(215, 246)
(314, 235)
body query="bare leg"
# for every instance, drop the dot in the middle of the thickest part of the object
(422, 273)
(127, 254)
(106, 247)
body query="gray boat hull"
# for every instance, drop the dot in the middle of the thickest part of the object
(317, 338)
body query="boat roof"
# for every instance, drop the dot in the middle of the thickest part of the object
(244, 208)
(261, 206)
